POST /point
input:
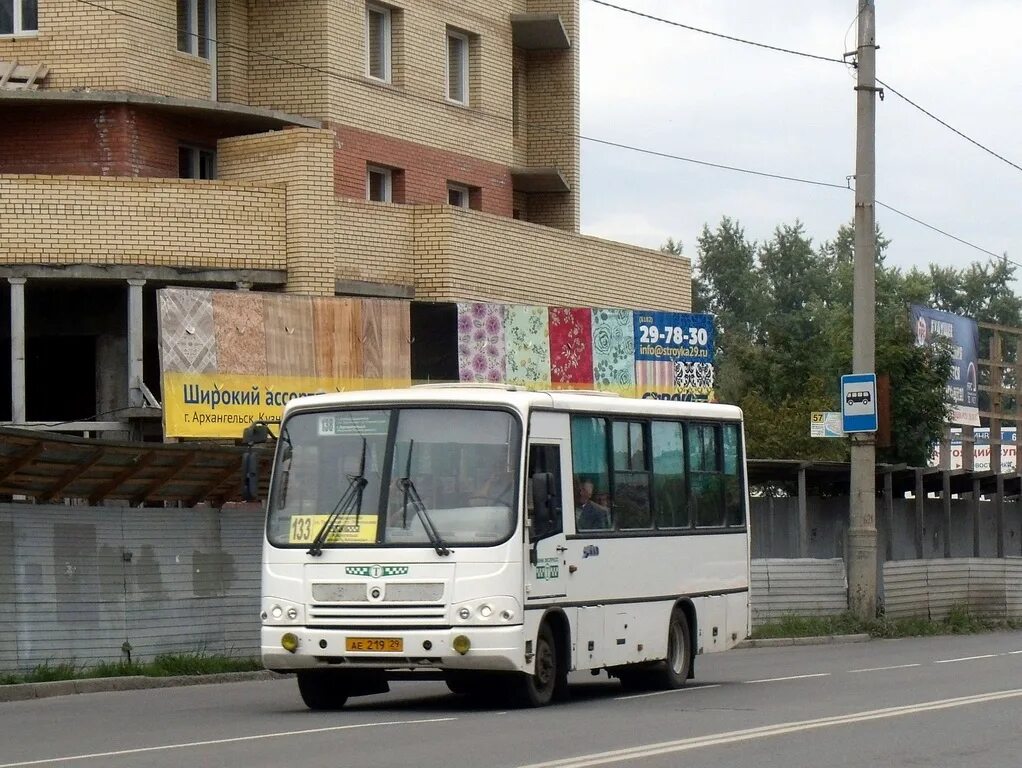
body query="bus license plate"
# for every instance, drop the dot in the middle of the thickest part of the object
(375, 644)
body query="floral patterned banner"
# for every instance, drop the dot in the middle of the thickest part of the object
(571, 346)
(527, 344)
(567, 347)
(613, 348)
(481, 349)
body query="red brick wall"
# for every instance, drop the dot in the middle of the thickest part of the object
(99, 140)
(426, 171)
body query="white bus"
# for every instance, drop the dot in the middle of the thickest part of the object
(497, 539)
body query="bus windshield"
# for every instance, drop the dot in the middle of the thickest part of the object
(450, 469)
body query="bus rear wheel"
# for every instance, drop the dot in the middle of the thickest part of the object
(673, 671)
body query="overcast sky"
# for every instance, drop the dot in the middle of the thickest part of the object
(655, 86)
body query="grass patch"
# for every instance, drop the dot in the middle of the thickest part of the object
(958, 622)
(165, 665)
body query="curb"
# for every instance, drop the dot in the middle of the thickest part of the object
(27, 691)
(777, 642)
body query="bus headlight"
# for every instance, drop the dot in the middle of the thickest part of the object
(501, 609)
(277, 611)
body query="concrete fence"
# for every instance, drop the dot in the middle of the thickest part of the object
(931, 588)
(803, 587)
(77, 583)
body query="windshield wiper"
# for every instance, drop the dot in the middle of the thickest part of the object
(351, 499)
(412, 494)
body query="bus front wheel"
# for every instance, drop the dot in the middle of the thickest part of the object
(537, 689)
(322, 690)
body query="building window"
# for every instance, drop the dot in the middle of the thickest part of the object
(457, 66)
(196, 163)
(17, 16)
(194, 22)
(458, 195)
(378, 42)
(379, 184)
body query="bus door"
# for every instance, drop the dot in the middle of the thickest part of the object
(545, 566)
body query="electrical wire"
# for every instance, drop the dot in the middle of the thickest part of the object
(946, 234)
(667, 155)
(951, 128)
(701, 31)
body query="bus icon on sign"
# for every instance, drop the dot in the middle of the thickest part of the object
(861, 396)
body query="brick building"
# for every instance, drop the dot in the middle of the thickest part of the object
(420, 150)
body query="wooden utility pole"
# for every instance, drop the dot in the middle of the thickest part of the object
(862, 534)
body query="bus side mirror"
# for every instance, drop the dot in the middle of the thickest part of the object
(250, 476)
(256, 432)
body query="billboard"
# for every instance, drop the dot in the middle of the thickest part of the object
(637, 353)
(228, 358)
(963, 333)
(982, 450)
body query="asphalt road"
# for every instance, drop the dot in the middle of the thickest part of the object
(947, 701)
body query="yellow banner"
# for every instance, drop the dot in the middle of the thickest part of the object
(221, 405)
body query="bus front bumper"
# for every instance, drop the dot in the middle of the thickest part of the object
(489, 648)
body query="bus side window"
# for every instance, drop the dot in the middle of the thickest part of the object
(546, 458)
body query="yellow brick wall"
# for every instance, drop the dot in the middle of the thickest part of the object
(145, 222)
(232, 63)
(302, 159)
(132, 49)
(470, 255)
(285, 218)
(288, 63)
(374, 242)
(552, 118)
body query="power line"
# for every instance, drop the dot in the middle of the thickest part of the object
(949, 127)
(942, 232)
(656, 153)
(510, 118)
(701, 31)
(798, 180)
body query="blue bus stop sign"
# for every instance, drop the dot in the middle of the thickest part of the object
(859, 402)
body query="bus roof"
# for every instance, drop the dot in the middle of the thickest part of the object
(518, 398)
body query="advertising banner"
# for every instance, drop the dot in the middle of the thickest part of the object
(636, 353)
(963, 333)
(228, 358)
(684, 341)
(982, 450)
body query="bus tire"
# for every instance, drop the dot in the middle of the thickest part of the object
(322, 691)
(673, 671)
(537, 689)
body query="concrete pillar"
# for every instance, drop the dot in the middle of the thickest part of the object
(135, 398)
(17, 349)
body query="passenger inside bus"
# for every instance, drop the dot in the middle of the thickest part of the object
(589, 515)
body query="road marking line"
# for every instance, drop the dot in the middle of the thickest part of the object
(780, 729)
(658, 693)
(770, 680)
(884, 669)
(138, 750)
(1012, 653)
(951, 661)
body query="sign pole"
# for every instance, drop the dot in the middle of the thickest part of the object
(862, 533)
